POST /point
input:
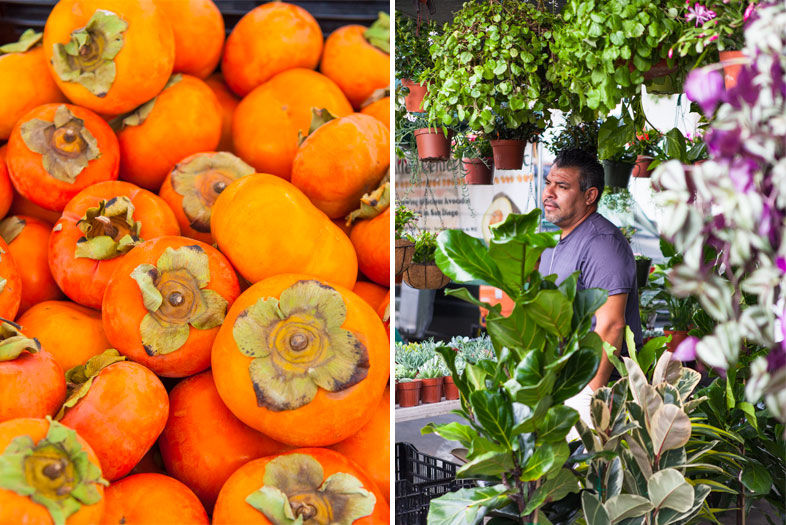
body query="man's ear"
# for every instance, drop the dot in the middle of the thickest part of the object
(591, 196)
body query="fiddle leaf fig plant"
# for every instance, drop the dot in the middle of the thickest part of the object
(545, 352)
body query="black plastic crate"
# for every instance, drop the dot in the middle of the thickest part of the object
(419, 479)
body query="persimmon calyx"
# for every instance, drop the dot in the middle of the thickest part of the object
(88, 57)
(109, 230)
(11, 227)
(378, 35)
(137, 117)
(376, 96)
(294, 494)
(175, 297)
(27, 41)
(201, 180)
(55, 472)
(79, 379)
(65, 144)
(373, 203)
(298, 346)
(319, 117)
(13, 342)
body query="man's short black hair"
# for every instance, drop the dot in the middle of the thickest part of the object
(590, 170)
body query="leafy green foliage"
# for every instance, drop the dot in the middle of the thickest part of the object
(425, 247)
(413, 40)
(405, 220)
(582, 135)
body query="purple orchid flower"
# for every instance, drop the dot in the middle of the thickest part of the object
(705, 87)
(686, 350)
(699, 13)
(723, 143)
(741, 171)
(748, 11)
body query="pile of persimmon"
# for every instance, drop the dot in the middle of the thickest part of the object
(194, 267)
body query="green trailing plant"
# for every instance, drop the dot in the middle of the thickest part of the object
(468, 144)
(413, 40)
(616, 200)
(658, 293)
(490, 68)
(582, 135)
(405, 220)
(546, 352)
(640, 471)
(425, 248)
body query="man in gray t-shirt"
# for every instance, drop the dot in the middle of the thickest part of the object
(593, 245)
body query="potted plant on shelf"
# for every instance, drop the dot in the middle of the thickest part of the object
(405, 245)
(576, 135)
(474, 151)
(431, 373)
(490, 71)
(615, 137)
(645, 147)
(423, 273)
(407, 387)
(413, 39)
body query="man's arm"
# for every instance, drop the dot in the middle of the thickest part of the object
(610, 326)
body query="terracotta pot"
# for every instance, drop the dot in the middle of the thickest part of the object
(409, 393)
(414, 101)
(730, 71)
(478, 171)
(642, 271)
(404, 250)
(432, 144)
(425, 276)
(508, 154)
(431, 391)
(660, 69)
(677, 336)
(451, 390)
(642, 167)
(616, 174)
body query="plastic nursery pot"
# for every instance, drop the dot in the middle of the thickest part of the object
(451, 390)
(730, 71)
(642, 167)
(677, 336)
(431, 391)
(616, 174)
(508, 154)
(425, 276)
(432, 143)
(414, 101)
(478, 171)
(408, 393)
(642, 271)
(404, 250)
(660, 69)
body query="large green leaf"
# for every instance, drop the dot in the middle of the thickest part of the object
(487, 465)
(494, 413)
(668, 489)
(623, 506)
(587, 302)
(449, 355)
(516, 248)
(613, 479)
(675, 145)
(541, 462)
(552, 311)
(454, 431)
(528, 423)
(556, 488)
(557, 423)
(666, 516)
(613, 134)
(577, 374)
(464, 258)
(594, 512)
(466, 506)
(670, 428)
(515, 331)
(756, 478)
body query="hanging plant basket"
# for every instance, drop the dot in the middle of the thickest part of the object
(478, 171)
(642, 167)
(508, 154)
(432, 143)
(642, 271)
(425, 276)
(414, 101)
(730, 71)
(431, 391)
(404, 250)
(409, 393)
(616, 174)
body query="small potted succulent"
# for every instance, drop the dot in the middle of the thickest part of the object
(423, 272)
(431, 373)
(407, 387)
(405, 245)
(645, 146)
(413, 39)
(474, 151)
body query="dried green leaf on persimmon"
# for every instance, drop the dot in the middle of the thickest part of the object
(378, 35)
(109, 230)
(319, 117)
(79, 379)
(13, 342)
(11, 227)
(373, 203)
(26, 42)
(298, 345)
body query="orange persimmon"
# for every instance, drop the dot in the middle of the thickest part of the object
(298, 477)
(193, 186)
(142, 50)
(57, 150)
(31, 382)
(354, 63)
(380, 110)
(195, 21)
(292, 38)
(28, 244)
(165, 302)
(341, 161)
(371, 239)
(96, 230)
(10, 284)
(144, 499)
(185, 119)
(372, 293)
(25, 81)
(22, 206)
(203, 443)
(119, 409)
(228, 102)
(72, 333)
(267, 226)
(57, 449)
(267, 123)
(302, 361)
(383, 311)
(370, 446)
(6, 189)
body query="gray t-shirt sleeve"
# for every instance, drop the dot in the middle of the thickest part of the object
(609, 264)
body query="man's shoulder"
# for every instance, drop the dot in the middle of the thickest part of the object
(597, 224)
